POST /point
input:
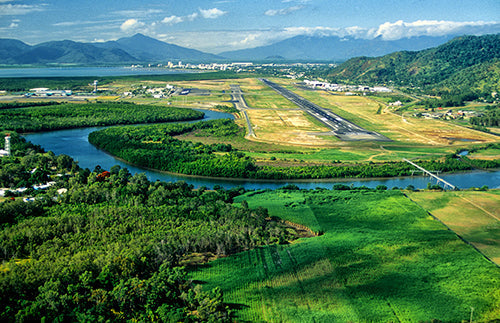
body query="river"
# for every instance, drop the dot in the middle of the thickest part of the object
(74, 142)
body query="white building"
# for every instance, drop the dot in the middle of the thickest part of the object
(6, 150)
(43, 91)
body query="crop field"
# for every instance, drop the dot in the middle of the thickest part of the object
(381, 258)
(473, 215)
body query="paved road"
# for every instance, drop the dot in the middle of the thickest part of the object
(241, 105)
(341, 128)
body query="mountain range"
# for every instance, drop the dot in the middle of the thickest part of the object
(333, 48)
(143, 49)
(135, 49)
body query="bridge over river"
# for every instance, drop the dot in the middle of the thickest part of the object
(425, 171)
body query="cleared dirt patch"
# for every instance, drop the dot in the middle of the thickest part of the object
(289, 126)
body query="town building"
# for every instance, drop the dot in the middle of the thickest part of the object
(6, 150)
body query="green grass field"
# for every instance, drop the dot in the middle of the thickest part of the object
(357, 152)
(381, 259)
(474, 215)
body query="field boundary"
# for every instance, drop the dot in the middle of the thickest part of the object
(479, 207)
(458, 235)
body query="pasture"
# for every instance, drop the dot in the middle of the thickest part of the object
(380, 258)
(474, 215)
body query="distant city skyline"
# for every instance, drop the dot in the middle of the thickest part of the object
(217, 26)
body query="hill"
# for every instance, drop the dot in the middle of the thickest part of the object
(10, 48)
(149, 49)
(333, 48)
(465, 62)
(135, 49)
(67, 51)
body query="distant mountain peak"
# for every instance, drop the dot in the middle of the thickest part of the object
(138, 48)
(324, 47)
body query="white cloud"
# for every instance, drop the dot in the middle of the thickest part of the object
(212, 13)
(81, 23)
(192, 16)
(248, 39)
(19, 9)
(233, 40)
(314, 31)
(283, 12)
(207, 14)
(401, 29)
(172, 20)
(131, 24)
(13, 25)
(138, 12)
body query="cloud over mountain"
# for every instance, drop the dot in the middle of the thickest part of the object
(401, 29)
(131, 24)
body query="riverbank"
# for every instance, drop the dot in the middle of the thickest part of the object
(293, 181)
(74, 142)
(156, 147)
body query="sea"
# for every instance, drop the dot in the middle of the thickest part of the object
(73, 71)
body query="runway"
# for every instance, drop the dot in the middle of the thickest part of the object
(340, 127)
(241, 105)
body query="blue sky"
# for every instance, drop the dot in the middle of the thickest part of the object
(220, 25)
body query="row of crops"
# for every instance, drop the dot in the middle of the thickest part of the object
(381, 258)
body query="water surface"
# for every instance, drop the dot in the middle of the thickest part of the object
(74, 142)
(85, 71)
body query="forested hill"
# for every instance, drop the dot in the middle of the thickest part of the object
(135, 49)
(465, 62)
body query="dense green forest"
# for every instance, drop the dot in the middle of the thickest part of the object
(113, 247)
(468, 63)
(155, 146)
(71, 115)
(490, 118)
